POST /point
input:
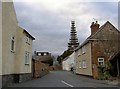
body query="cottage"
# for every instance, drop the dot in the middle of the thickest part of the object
(97, 49)
(16, 48)
(69, 62)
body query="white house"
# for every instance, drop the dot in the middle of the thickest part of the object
(69, 62)
(16, 48)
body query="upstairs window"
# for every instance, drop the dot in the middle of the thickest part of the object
(27, 39)
(13, 44)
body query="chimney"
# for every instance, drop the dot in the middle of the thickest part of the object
(94, 27)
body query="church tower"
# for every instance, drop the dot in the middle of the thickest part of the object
(73, 41)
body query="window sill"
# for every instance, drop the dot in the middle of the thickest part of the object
(83, 53)
(28, 43)
(12, 51)
(79, 55)
(27, 64)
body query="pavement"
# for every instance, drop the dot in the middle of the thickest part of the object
(66, 79)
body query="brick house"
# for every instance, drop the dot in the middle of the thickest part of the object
(97, 49)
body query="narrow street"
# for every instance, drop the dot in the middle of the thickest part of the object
(64, 79)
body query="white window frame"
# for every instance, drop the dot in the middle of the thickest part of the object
(99, 61)
(12, 48)
(27, 56)
(80, 64)
(84, 64)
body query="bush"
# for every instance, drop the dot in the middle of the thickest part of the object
(104, 71)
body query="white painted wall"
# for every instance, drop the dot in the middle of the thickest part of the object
(21, 47)
(9, 27)
(13, 62)
(87, 57)
(69, 62)
(65, 65)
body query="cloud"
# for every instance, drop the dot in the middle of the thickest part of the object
(49, 20)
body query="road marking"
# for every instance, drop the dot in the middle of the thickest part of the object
(67, 83)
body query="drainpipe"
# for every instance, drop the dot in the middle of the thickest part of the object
(118, 68)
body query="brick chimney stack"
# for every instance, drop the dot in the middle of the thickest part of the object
(94, 27)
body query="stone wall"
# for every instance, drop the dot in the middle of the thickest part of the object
(0, 81)
(9, 79)
(22, 77)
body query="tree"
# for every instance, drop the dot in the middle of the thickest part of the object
(64, 55)
(50, 61)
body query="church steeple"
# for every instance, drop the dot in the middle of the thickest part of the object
(73, 41)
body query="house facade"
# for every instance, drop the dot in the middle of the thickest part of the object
(97, 49)
(69, 62)
(83, 60)
(16, 48)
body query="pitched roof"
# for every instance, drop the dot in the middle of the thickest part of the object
(90, 37)
(29, 34)
(116, 54)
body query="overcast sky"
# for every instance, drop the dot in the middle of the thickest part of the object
(49, 20)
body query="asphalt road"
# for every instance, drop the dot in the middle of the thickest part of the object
(64, 79)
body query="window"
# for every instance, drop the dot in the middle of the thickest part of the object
(80, 65)
(100, 61)
(27, 39)
(83, 49)
(26, 57)
(45, 53)
(84, 64)
(12, 44)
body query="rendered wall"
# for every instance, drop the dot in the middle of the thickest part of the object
(9, 27)
(87, 57)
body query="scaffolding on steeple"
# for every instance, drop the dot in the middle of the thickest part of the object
(73, 41)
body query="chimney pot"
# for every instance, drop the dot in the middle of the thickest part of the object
(94, 27)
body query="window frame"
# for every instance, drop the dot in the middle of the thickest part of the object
(84, 64)
(80, 64)
(12, 48)
(27, 39)
(100, 61)
(27, 58)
